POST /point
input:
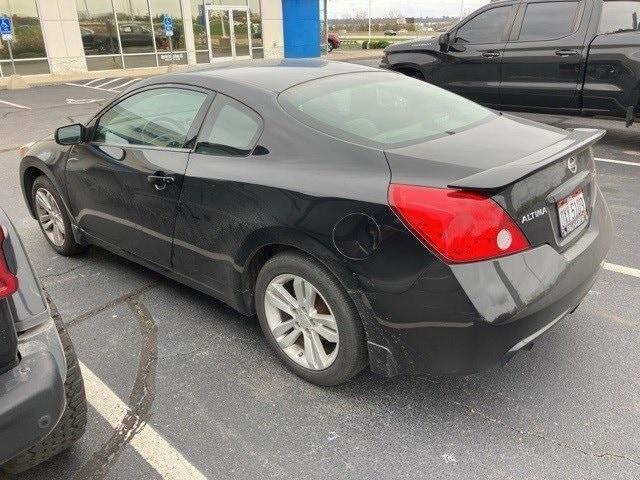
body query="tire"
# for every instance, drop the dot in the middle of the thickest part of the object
(69, 247)
(73, 421)
(350, 355)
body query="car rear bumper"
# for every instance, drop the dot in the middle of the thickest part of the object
(32, 397)
(493, 308)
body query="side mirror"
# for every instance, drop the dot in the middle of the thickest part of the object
(445, 41)
(70, 134)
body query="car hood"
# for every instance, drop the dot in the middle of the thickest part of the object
(489, 155)
(429, 43)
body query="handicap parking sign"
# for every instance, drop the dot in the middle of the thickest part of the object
(168, 25)
(6, 28)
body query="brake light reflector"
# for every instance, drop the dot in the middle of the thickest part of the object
(8, 281)
(461, 226)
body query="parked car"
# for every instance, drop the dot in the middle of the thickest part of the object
(362, 215)
(333, 41)
(391, 33)
(43, 408)
(566, 57)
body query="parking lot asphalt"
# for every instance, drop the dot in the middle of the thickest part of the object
(208, 400)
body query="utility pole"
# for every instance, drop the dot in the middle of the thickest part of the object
(369, 42)
(461, 9)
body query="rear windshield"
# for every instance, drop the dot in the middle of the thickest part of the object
(380, 108)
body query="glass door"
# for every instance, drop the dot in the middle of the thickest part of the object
(228, 33)
(219, 33)
(241, 34)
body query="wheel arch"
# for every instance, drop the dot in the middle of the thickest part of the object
(410, 70)
(267, 244)
(29, 172)
(381, 358)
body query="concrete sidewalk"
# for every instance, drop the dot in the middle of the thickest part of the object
(26, 81)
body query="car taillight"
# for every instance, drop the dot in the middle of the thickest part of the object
(8, 281)
(461, 226)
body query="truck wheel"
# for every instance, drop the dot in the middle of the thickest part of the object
(309, 320)
(53, 218)
(72, 423)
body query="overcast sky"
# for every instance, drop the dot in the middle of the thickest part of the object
(409, 8)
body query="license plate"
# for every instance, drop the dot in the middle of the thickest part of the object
(572, 212)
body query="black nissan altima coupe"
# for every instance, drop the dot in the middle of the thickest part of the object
(367, 218)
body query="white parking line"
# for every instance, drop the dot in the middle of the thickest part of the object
(633, 272)
(91, 86)
(93, 81)
(620, 162)
(15, 105)
(108, 82)
(151, 446)
(127, 83)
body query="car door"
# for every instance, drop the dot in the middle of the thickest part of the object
(471, 67)
(216, 208)
(544, 61)
(124, 184)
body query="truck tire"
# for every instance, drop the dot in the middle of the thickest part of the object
(73, 421)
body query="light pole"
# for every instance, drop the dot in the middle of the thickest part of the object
(461, 8)
(369, 41)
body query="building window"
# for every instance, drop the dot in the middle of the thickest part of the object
(98, 27)
(28, 44)
(134, 26)
(164, 45)
(256, 28)
(130, 34)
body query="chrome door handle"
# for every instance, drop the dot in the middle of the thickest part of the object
(490, 54)
(566, 53)
(160, 182)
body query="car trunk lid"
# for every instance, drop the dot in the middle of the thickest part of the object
(537, 174)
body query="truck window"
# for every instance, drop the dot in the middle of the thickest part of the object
(488, 27)
(619, 16)
(548, 21)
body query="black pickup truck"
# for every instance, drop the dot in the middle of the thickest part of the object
(579, 57)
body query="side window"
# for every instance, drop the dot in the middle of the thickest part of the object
(620, 16)
(488, 27)
(231, 129)
(161, 117)
(548, 21)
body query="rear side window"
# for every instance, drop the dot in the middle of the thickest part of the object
(487, 27)
(548, 21)
(620, 16)
(161, 117)
(231, 129)
(380, 109)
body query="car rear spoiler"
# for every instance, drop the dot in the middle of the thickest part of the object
(504, 175)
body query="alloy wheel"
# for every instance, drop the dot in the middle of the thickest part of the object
(50, 217)
(301, 321)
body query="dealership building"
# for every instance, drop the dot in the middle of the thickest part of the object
(75, 36)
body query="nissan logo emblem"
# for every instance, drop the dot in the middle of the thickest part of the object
(572, 164)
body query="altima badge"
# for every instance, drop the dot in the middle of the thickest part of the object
(572, 164)
(533, 215)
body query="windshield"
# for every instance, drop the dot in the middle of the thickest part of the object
(619, 16)
(380, 108)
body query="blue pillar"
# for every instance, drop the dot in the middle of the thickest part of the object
(301, 25)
